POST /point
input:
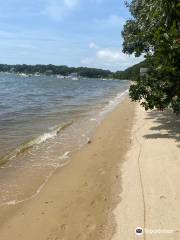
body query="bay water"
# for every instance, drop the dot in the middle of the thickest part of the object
(43, 120)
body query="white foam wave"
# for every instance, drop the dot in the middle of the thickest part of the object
(65, 156)
(15, 202)
(42, 138)
(94, 119)
(113, 103)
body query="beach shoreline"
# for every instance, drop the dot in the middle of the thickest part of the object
(127, 176)
(78, 200)
(37, 160)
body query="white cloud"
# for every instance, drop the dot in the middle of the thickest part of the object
(112, 21)
(115, 20)
(93, 45)
(56, 9)
(113, 59)
(111, 56)
(87, 61)
(70, 3)
(116, 58)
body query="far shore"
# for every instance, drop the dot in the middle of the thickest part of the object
(126, 176)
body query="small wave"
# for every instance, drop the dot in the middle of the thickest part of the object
(42, 138)
(64, 157)
(113, 103)
(94, 119)
(15, 202)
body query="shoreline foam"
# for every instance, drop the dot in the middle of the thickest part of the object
(38, 140)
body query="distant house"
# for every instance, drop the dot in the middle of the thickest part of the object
(73, 76)
(49, 72)
(12, 70)
(143, 71)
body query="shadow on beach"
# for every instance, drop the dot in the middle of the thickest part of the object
(168, 126)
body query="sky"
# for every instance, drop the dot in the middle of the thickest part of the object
(64, 32)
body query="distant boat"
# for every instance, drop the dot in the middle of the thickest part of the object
(37, 75)
(60, 76)
(23, 74)
(107, 79)
(74, 78)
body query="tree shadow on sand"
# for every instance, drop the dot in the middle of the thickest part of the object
(168, 126)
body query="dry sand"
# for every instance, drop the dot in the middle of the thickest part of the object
(151, 179)
(128, 176)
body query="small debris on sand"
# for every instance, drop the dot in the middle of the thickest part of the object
(89, 141)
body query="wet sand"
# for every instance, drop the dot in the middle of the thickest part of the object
(78, 200)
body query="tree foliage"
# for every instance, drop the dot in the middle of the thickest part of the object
(154, 31)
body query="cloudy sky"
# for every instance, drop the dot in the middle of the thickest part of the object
(64, 32)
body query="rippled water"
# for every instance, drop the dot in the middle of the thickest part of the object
(42, 121)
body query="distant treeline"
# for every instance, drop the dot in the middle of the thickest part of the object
(131, 72)
(64, 70)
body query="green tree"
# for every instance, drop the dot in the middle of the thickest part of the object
(154, 31)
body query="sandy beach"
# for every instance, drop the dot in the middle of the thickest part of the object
(127, 176)
(150, 178)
